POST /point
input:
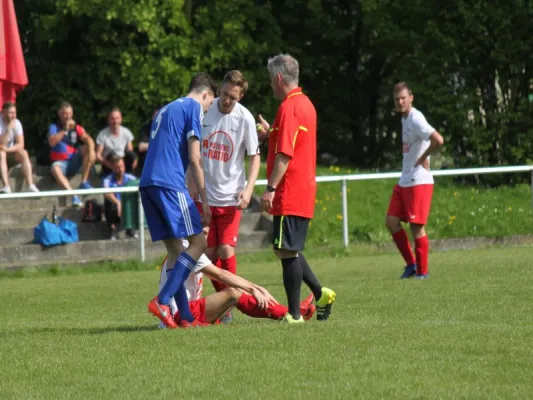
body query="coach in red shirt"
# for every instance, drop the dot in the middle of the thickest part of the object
(291, 191)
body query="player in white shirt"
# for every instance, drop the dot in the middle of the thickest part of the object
(12, 145)
(411, 197)
(251, 299)
(228, 135)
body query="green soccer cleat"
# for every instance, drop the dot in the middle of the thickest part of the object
(324, 303)
(289, 319)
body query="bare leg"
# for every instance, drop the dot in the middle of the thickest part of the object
(88, 162)
(3, 168)
(60, 177)
(24, 158)
(218, 304)
(393, 224)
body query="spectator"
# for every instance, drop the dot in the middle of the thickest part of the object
(144, 140)
(12, 146)
(115, 140)
(67, 155)
(112, 203)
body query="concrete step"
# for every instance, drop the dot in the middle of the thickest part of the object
(100, 250)
(31, 216)
(44, 179)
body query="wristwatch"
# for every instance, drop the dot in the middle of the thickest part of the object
(271, 189)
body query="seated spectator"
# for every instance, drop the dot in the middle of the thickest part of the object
(144, 140)
(12, 147)
(115, 140)
(67, 155)
(112, 203)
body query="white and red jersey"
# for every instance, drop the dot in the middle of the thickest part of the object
(194, 283)
(415, 138)
(226, 139)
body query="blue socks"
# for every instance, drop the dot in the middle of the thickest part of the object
(184, 264)
(182, 301)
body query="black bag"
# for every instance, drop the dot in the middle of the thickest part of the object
(92, 212)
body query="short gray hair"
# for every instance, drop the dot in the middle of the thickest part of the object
(286, 66)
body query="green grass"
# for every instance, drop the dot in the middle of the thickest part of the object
(465, 333)
(457, 210)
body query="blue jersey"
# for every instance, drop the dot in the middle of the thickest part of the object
(110, 181)
(167, 158)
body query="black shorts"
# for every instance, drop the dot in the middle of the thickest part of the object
(290, 232)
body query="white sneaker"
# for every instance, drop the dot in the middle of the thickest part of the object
(33, 188)
(5, 189)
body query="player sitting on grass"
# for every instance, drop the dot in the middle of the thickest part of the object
(249, 298)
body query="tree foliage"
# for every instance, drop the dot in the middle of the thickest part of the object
(469, 63)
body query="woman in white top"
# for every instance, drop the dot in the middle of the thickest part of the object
(12, 145)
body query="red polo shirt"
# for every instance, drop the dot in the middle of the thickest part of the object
(293, 133)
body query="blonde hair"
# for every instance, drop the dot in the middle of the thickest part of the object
(236, 78)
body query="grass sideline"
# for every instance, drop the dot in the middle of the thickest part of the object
(458, 210)
(464, 333)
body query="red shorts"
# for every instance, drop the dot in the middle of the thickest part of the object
(198, 311)
(224, 226)
(411, 204)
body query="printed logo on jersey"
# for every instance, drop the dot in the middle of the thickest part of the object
(218, 146)
(406, 147)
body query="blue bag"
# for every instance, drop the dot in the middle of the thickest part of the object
(69, 231)
(49, 234)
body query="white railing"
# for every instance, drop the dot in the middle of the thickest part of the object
(262, 182)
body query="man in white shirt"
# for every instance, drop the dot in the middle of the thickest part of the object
(411, 198)
(228, 135)
(12, 145)
(115, 140)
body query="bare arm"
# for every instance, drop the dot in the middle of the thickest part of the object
(143, 147)
(246, 194)
(436, 141)
(281, 163)
(197, 173)
(99, 154)
(53, 140)
(19, 144)
(129, 146)
(191, 185)
(197, 168)
(255, 164)
(263, 297)
(88, 140)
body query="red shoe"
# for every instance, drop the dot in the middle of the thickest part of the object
(194, 324)
(162, 312)
(308, 312)
(307, 301)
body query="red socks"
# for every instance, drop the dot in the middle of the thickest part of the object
(422, 251)
(229, 264)
(402, 242)
(247, 304)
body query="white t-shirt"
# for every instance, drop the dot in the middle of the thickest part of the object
(11, 133)
(112, 143)
(194, 283)
(226, 139)
(415, 137)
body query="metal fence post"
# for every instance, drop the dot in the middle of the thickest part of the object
(532, 188)
(141, 225)
(345, 214)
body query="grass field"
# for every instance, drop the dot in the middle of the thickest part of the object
(458, 210)
(465, 333)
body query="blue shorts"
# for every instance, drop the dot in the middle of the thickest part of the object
(72, 166)
(170, 214)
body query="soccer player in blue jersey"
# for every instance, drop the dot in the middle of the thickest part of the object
(170, 212)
